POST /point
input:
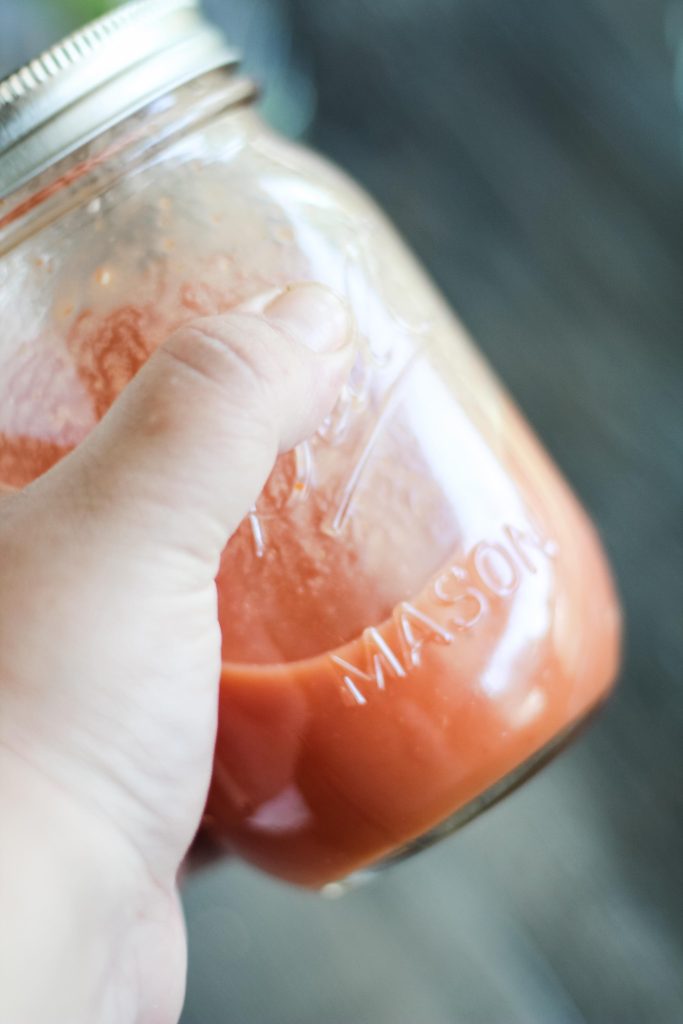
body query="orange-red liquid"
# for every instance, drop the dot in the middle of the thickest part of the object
(330, 763)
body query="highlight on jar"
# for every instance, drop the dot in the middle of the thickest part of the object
(417, 613)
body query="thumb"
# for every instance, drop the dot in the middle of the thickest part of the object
(186, 449)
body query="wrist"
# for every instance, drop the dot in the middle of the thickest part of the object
(85, 932)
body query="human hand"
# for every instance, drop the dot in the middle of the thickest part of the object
(110, 655)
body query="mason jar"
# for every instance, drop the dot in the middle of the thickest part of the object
(416, 613)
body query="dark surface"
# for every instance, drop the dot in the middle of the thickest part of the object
(530, 151)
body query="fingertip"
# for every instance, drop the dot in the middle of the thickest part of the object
(313, 315)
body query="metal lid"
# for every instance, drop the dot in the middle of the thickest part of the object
(97, 77)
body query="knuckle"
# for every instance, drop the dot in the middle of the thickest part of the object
(238, 354)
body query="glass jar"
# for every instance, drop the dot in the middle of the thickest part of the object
(417, 612)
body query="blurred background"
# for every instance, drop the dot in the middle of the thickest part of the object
(531, 153)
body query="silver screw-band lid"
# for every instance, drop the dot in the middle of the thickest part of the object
(97, 77)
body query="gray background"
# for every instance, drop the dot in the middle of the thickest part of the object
(530, 150)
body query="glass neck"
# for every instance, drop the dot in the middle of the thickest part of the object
(115, 152)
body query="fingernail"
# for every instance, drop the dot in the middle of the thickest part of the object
(312, 314)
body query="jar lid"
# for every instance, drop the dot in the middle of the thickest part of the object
(97, 77)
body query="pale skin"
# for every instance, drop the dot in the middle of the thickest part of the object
(110, 655)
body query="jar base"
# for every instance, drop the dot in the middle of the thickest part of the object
(508, 784)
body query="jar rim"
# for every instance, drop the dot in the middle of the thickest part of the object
(98, 76)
